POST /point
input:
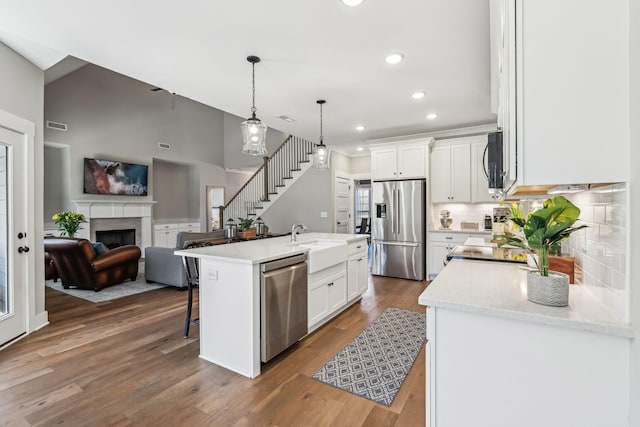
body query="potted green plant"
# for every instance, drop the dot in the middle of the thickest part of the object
(68, 222)
(245, 231)
(542, 230)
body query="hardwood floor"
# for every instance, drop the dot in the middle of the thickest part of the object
(125, 362)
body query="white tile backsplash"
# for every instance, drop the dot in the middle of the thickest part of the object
(600, 251)
(460, 212)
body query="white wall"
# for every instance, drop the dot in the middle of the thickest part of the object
(361, 165)
(21, 86)
(634, 206)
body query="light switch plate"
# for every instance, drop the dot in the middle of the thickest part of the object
(323, 214)
(212, 274)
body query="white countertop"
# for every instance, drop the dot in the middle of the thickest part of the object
(500, 290)
(263, 250)
(457, 230)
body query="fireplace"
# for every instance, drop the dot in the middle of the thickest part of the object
(117, 215)
(114, 238)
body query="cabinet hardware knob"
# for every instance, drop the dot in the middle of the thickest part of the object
(330, 284)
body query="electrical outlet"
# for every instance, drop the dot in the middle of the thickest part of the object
(212, 274)
(323, 214)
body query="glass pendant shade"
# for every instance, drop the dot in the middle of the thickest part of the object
(320, 151)
(254, 132)
(320, 157)
(254, 137)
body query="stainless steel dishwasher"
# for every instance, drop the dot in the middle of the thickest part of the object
(283, 304)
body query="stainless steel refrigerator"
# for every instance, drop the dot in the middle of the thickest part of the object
(398, 229)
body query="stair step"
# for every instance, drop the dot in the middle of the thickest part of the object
(258, 207)
(281, 185)
(295, 170)
(287, 177)
(304, 161)
(274, 193)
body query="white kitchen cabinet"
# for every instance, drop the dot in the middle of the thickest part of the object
(399, 161)
(357, 270)
(451, 173)
(440, 244)
(545, 111)
(479, 182)
(327, 293)
(165, 235)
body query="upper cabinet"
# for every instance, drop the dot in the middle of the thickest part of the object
(451, 173)
(400, 161)
(563, 96)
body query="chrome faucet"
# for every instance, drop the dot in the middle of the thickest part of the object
(294, 231)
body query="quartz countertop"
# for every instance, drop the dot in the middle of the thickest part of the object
(500, 290)
(263, 250)
(457, 230)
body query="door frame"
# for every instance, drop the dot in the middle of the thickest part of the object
(28, 130)
(350, 202)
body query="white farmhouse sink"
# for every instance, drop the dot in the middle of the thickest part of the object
(324, 253)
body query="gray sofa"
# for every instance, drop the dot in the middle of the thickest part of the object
(162, 266)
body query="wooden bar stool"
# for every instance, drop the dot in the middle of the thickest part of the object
(192, 269)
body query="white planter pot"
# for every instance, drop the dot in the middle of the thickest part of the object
(552, 290)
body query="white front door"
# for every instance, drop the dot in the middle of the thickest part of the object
(13, 235)
(342, 187)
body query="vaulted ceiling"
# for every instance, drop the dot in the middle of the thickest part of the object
(310, 49)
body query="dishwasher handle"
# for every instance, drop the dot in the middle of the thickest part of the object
(282, 262)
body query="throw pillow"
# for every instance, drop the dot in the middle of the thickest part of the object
(99, 247)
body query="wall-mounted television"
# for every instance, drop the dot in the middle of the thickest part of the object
(116, 178)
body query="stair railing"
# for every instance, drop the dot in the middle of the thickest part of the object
(267, 179)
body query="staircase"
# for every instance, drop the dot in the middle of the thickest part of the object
(277, 173)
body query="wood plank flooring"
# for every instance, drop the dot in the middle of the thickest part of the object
(125, 362)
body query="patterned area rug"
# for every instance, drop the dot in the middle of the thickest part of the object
(375, 364)
(124, 289)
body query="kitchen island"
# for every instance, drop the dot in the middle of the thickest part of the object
(507, 361)
(230, 290)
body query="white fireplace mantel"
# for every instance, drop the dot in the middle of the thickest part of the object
(117, 209)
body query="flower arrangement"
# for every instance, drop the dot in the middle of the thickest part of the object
(543, 229)
(68, 222)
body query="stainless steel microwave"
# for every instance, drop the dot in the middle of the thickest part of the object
(495, 160)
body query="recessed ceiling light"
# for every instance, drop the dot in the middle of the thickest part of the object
(286, 118)
(432, 116)
(352, 2)
(394, 58)
(360, 128)
(418, 95)
(360, 148)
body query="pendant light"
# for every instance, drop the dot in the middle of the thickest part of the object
(254, 132)
(320, 151)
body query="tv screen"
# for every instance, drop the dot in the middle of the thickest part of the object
(118, 178)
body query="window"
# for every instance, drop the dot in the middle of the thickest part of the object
(363, 199)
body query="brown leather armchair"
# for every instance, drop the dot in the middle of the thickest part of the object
(78, 265)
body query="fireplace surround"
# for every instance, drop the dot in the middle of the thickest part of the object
(116, 214)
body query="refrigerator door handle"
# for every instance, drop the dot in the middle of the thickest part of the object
(398, 212)
(411, 245)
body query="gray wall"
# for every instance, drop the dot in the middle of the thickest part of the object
(175, 190)
(235, 180)
(302, 204)
(22, 94)
(56, 184)
(233, 157)
(112, 116)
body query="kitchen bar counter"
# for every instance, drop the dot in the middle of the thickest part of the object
(230, 292)
(499, 289)
(263, 250)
